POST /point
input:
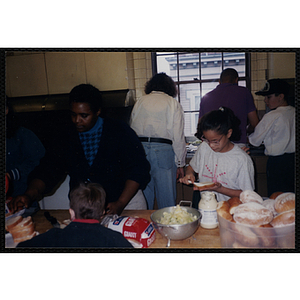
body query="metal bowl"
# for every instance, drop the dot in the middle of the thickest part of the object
(175, 232)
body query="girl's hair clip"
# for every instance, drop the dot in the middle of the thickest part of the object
(221, 108)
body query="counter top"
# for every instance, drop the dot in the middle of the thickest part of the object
(202, 238)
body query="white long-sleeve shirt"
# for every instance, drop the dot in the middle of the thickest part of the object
(160, 115)
(277, 130)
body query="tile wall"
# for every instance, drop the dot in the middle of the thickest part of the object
(259, 68)
(139, 70)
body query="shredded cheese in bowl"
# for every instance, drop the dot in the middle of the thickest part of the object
(177, 216)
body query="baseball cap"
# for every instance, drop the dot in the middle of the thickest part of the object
(273, 86)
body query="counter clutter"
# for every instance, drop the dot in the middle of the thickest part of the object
(244, 222)
(201, 239)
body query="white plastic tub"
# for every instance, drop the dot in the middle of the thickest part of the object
(235, 235)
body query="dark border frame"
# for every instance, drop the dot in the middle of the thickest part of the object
(3, 52)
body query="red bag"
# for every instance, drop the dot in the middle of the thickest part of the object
(138, 231)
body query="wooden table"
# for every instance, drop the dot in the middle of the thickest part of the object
(202, 238)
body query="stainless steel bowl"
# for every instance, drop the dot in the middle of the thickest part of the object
(175, 232)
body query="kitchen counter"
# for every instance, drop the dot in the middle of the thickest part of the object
(202, 238)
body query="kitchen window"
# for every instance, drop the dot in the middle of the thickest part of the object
(195, 74)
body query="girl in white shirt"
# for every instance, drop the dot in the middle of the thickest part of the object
(219, 160)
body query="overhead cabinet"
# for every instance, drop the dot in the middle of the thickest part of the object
(51, 73)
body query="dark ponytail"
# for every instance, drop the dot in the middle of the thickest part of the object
(221, 121)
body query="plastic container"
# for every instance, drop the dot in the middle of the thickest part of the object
(235, 235)
(208, 209)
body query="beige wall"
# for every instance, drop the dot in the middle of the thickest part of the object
(268, 65)
(26, 75)
(31, 74)
(107, 70)
(281, 65)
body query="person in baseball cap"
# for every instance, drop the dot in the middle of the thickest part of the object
(276, 130)
(276, 93)
(275, 86)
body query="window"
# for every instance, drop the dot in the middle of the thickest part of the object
(195, 74)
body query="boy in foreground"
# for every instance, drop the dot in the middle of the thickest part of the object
(87, 204)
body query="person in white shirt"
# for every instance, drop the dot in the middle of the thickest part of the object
(218, 159)
(276, 131)
(158, 120)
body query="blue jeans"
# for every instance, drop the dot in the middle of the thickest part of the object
(163, 175)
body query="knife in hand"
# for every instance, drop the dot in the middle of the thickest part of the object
(51, 219)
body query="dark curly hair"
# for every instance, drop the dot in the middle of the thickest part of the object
(86, 93)
(221, 121)
(163, 83)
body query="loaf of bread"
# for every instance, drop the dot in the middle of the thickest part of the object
(267, 237)
(201, 186)
(285, 202)
(246, 236)
(21, 229)
(253, 214)
(250, 196)
(223, 210)
(274, 195)
(12, 222)
(270, 204)
(255, 221)
(283, 219)
(25, 238)
(233, 203)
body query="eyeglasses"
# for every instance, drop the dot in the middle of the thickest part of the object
(217, 142)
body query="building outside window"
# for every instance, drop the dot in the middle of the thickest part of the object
(197, 73)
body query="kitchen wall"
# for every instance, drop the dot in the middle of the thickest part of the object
(268, 65)
(31, 74)
(43, 73)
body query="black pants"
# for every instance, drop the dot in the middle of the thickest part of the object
(281, 173)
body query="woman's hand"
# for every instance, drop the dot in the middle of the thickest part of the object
(113, 208)
(19, 203)
(34, 192)
(130, 189)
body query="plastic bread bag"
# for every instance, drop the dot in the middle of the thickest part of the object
(138, 231)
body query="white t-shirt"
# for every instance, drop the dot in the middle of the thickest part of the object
(159, 115)
(233, 169)
(277, 130)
